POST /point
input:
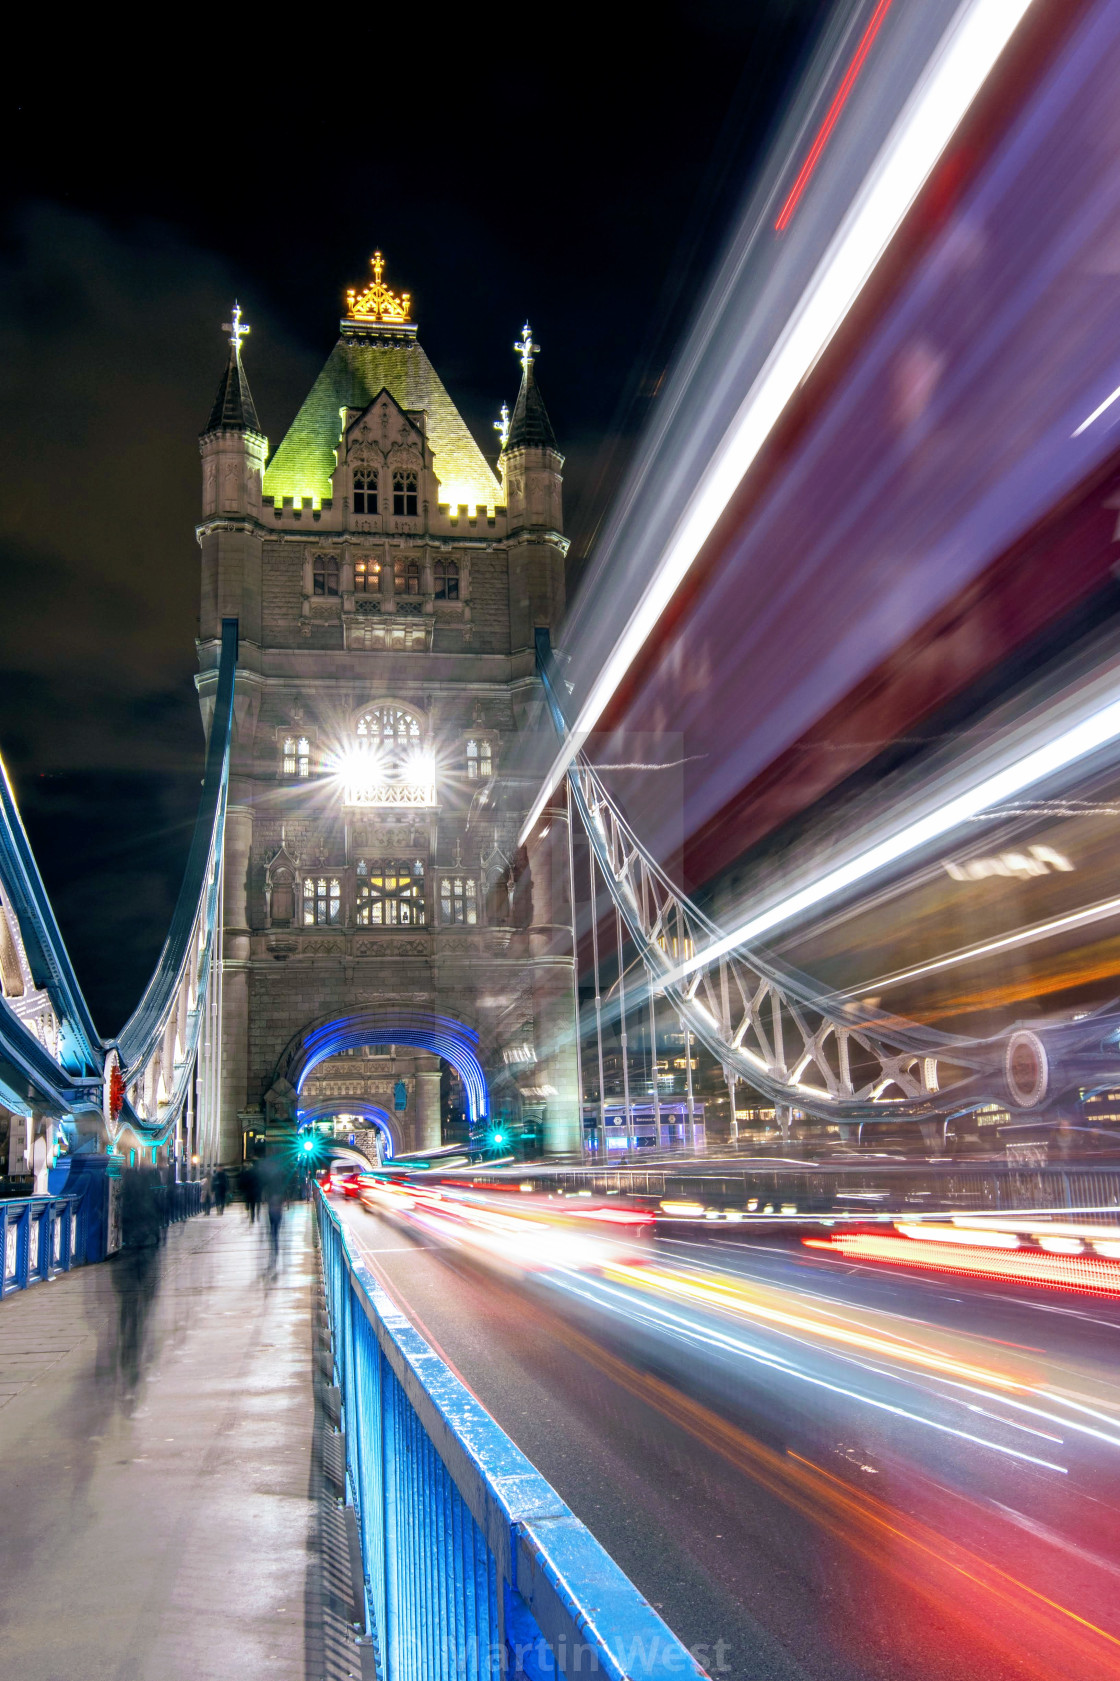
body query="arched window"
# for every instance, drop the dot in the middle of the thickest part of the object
(446, 578)
(458, 901)
(406, 577)
(322, 901)
(367, 577)
(388, 727)
(479, 761)
(297, 756)
(390, 893)
(365, 490)
(405, 491)
(324, 574)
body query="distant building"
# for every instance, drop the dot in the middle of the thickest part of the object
(388, 584)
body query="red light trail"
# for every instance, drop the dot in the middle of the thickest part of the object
(1065, 1272)
(840, 99)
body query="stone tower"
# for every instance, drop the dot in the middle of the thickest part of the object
(383, 935)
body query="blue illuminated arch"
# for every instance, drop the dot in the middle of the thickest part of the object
(309, 1113)
(421, 1029)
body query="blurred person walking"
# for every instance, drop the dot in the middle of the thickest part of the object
(136, 1268)
(207, 1191)
(221, 1189)
(250, 1183)
(274, 1191)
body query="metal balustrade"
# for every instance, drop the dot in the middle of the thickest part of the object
(39, 1238)
(474, 1566)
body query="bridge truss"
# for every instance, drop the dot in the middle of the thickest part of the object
(831, 1061)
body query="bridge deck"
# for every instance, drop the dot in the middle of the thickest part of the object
(174, 1515)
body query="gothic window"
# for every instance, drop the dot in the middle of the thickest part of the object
(405, 491)
(367, 577)
(283, 900)
(390, 728)
(458, 901)
(297, 755)
(322, 901)
(479, 761)
(390, 893)
(406, 577)
(365, 491)
(324, 574)
(446, 578)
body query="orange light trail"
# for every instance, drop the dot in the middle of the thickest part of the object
(1066, 1272)
(832, 116)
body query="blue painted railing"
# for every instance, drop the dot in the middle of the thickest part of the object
(474, 1566)
(39, 1238)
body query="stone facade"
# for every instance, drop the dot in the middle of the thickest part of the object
(387, 586)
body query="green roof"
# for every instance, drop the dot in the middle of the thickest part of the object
(358, 368)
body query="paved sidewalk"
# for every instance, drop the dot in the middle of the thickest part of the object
(165, 1516)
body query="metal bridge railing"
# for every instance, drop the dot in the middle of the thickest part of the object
(39, 1238)
(474, 1567)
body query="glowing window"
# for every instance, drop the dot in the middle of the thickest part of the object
(365, 491)
(297, 755)
(322, 901)
(405, 491)
(390, 893)
(389, 727)
(324, 575)
(446, 580)
(406, 577)
(367, 577)
(479, 762)
(458, 901)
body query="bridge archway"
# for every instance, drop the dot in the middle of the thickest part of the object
(423, 1030)
(373, 1113)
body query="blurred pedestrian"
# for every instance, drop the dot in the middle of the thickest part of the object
(274, 1191)
(136, 1268)
(250, 1182)
(221, 1189)
(207, 1191)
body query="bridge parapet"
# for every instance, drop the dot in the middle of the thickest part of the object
(472, 1562)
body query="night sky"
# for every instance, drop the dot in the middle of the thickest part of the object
(569, 170)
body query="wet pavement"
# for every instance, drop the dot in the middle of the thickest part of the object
(162, 1474)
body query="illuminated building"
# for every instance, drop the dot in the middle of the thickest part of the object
(388, 584)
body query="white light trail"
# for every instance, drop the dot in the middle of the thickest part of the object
(1098, 730)
(949, 84)
(1096, 414)
(1005, 942)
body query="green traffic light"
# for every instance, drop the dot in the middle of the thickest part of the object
(309, 1143)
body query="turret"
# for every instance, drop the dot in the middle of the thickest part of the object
(531, 467)
(233, 450)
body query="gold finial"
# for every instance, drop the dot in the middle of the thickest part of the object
(377, 303)
(235, 330)
(501, 427)
(526, 349)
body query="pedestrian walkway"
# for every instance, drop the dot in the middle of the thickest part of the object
(167, 1495)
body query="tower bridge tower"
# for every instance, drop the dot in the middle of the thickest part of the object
(388, 586)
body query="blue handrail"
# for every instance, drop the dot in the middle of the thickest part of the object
(473, 1564)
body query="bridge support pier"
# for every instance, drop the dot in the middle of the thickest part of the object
(428, 1132)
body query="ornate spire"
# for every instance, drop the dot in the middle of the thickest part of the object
(530, 423)
(234, 409)
(377, 303)
(501, 427)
